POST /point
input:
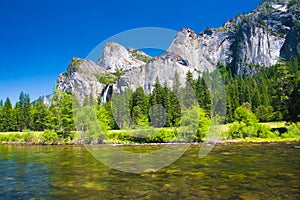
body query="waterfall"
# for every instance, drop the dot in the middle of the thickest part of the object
(104, 96)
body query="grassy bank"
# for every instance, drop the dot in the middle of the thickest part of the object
(162, 135)
(38, 138)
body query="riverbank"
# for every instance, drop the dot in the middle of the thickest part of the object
(146, 136)
(76, 142)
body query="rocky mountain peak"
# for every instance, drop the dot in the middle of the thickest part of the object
(116, 57)
(80, 79)
(245, 44)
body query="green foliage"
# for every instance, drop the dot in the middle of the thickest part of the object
(60, 116)
(245, 115)
(109, 78)
(164, 106)
(265, 113)
(9, 121)
(163, 136)
(141, 57)
(203, 94)
(204, 123)
(264, 131)
(50, 137)
(120, 108)
(74, 64)
(23, 112)
(246, 125)
(293, 131)
(38, 115)
(194, 124)
(294, 107)
(28, 136)
(143, 135)
(139, 107)
(275, 86)
(283, 87)
(90, 124)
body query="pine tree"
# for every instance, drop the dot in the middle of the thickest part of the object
(206, 103)
(1, 115)
(60, 117)
(176, 110)
(9, 118)
(200, 91)
(66, 114)
(39, 115)
(158, 113)
(294, 104)
(23, 108)
(282, 89)
(189, 96)
(167, 105)
(121, 108)
(139, 106)
(176, 84)
(175, 98)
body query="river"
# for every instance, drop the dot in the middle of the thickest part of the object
(232, 171)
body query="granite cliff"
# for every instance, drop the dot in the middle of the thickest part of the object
(245, 43)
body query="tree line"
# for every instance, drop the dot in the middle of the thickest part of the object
(37, 116)
(272, 94)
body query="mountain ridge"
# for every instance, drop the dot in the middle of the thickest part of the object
(244, 43)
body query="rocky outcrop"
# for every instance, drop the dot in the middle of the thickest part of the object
(115, 57)
(81, 80)
(258, 38)
(244, 43)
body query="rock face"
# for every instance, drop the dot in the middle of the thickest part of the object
(245, 43)
(80, 79)
(116, 57)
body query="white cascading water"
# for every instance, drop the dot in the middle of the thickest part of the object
(103, 99)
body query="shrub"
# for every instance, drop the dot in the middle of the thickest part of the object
(265, 132)
(265, 113)
(4, 137)
(49, 137)
(242, 114)
(247, 126)
(235, 130)
(123, 136)
(14, 137)
(28, 137)
(163, 136)
(293, 131)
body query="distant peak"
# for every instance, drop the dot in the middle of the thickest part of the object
(111, 43)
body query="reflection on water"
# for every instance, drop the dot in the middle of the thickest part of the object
(240, 171)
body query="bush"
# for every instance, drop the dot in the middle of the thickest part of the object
(163, 136)
(14, 137)
(265, 113)
(248, 126)
(194, 125)
(49, 137)
(242, 114)
(123, 136)
(293, 131)
(265, 132)
(28, 137)
(4, 137)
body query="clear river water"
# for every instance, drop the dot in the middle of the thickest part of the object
(232, 171)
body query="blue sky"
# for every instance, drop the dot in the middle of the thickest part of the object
(39, 38)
